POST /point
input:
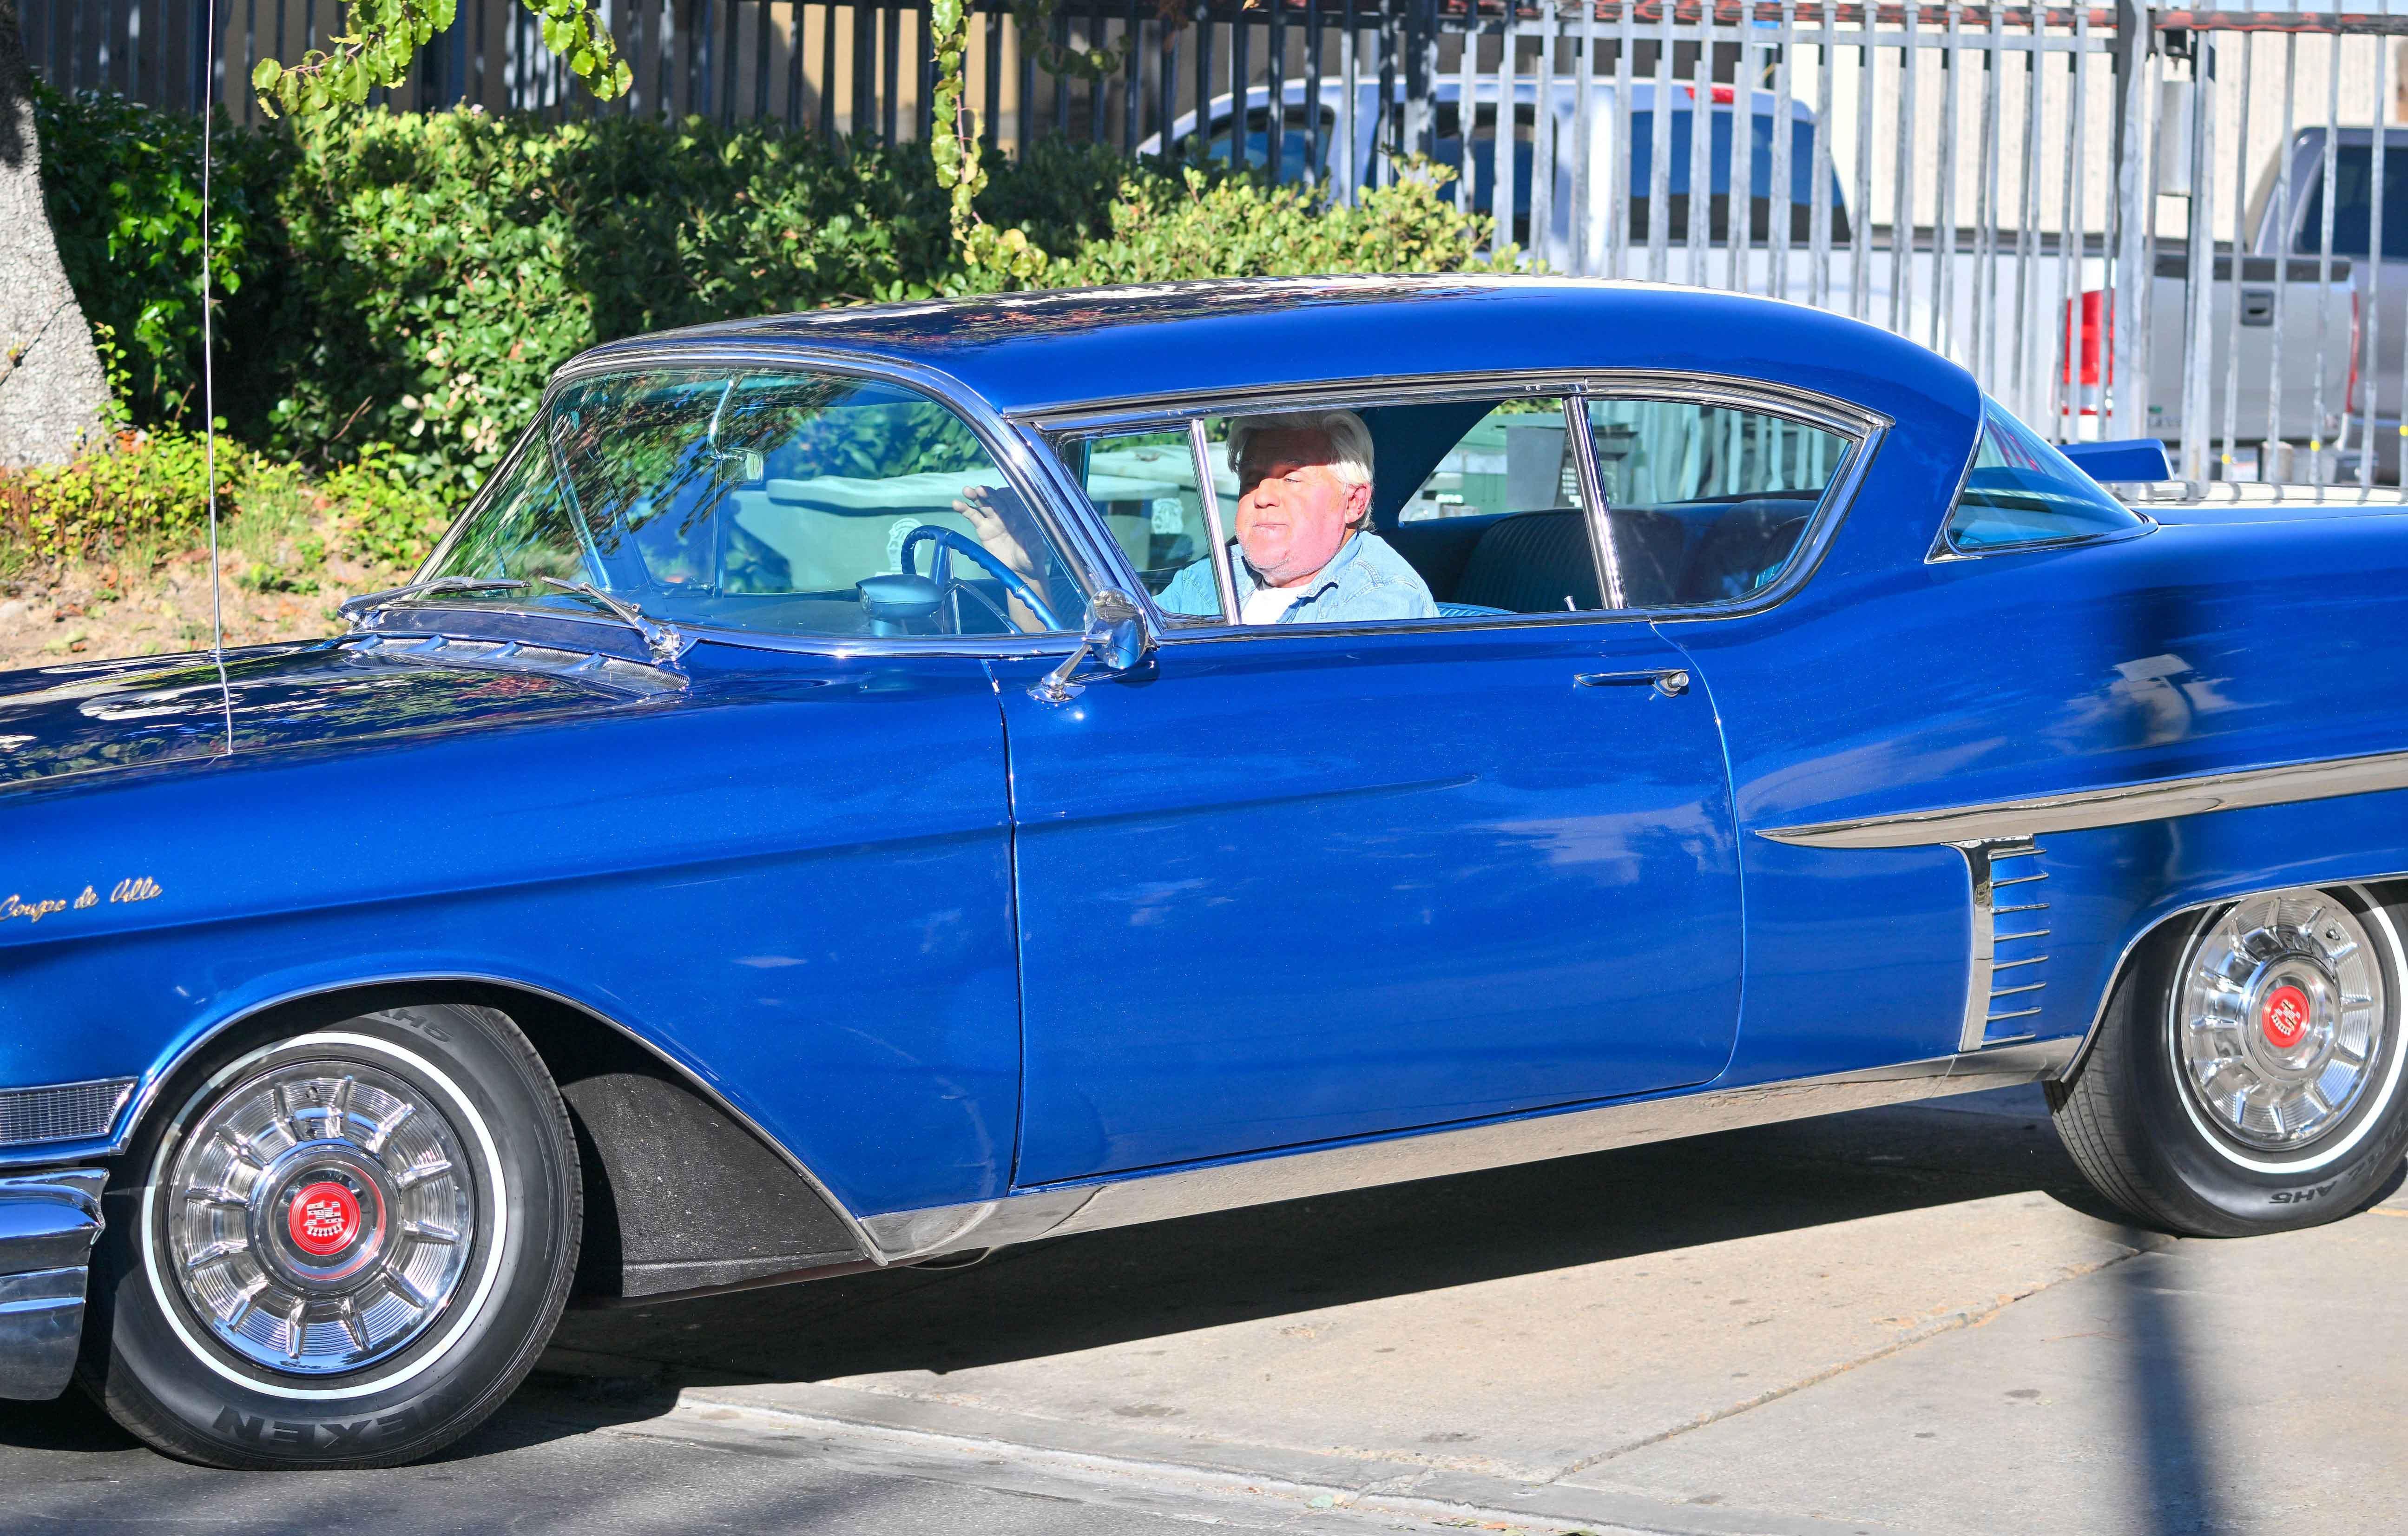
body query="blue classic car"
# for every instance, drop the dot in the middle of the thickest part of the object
(860, 788)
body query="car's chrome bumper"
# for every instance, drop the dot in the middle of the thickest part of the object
(47, 1223)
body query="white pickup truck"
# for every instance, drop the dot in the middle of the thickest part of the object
(1976, 301)
(2321, 306)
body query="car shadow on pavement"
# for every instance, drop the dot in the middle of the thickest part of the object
(1131, 1284)
(626, 1364)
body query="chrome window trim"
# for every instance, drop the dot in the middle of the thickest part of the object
(1146, 1194)
(1021, 464)
(2118, 805)
(1864, 429)
(1132, 412)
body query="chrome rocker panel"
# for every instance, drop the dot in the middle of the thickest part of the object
(47, 1224)
(905, 1236)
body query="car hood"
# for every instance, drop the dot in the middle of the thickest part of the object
(57, 722)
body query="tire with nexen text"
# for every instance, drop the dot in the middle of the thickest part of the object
(2247, 1074)
(341, 1248)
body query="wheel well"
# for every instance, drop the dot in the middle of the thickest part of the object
(2390, 890)
(680, 1193)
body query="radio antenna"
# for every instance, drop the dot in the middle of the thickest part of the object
(209, 381)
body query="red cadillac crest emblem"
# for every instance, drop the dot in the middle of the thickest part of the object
(323, 1220)
(2284, 1017)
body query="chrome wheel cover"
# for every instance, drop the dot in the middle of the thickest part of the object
(2282, 1019)
(320, 1217)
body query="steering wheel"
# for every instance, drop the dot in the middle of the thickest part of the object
(947, 540)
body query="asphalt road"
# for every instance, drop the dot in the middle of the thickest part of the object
(1906, 1320)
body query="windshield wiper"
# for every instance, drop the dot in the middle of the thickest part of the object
(661, 639)
(354, 609)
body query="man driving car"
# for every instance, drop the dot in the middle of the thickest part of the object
(1303, 552)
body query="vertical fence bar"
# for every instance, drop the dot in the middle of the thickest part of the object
(1659, 151)
(1024, 133)
(2026, 222)
(1132, 78)
(1393, 42)
(1099, 86)
(1818, 226)
(760, 58)
(2198, 246)
(2324, 253)
(1275, 91)
(1782, 203)
(1466, 107)
(2247, 46)
(1902, 228)
(1860, 206)
(2370, 327)
(1241, 103)
(863, 126)
(991, 34)
(1986, 215)
(890, 79)
(1699, 236)
(1739, 245)
(2129, 394)
(2281, 213)
(1509, 128)
(794, 66)
(1942, 337)
(1624, 157)
(1541, 242)
(1317, 150)
(1203, 73)
(1350, 87)
(1586, 241)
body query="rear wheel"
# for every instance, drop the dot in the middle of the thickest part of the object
(2247, 1074)
(343, 1248)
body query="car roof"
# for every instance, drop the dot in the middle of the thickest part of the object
(1058, 348)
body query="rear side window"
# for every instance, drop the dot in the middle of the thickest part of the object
(1706, 504)
(2021, 491)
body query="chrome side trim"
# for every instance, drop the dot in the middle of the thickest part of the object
(2120, 806)
(1061, 1210)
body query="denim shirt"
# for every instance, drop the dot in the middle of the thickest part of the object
(1364, 580)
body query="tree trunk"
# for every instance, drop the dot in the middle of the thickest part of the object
(53, 397)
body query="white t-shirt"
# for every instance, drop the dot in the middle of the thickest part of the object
(1265, 604)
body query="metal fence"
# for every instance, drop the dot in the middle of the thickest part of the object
(2016, 187)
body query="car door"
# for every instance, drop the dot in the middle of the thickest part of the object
(1290, 883)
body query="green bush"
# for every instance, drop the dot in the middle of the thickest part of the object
(407, 282)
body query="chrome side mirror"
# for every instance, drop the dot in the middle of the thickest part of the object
(1115, 637)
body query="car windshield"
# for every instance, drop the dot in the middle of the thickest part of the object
(756, 500)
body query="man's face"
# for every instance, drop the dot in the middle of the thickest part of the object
(1293, 510)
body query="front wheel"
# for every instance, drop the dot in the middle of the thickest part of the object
(344, 1248)
(2246, 1075)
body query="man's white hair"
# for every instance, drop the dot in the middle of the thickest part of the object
(1350, 440)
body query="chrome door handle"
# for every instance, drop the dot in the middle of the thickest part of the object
(1671, 682)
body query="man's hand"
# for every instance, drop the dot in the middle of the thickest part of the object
(1004, 525)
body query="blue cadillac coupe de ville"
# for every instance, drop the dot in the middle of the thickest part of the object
(872, 785)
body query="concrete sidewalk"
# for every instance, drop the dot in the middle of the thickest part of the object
(1915, 1318)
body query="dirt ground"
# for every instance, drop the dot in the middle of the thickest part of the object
(89, 611)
